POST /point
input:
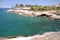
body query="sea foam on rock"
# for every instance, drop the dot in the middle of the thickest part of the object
(45, 36)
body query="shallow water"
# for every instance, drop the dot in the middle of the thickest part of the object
(13, 24)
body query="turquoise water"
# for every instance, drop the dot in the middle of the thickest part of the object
(13, 24)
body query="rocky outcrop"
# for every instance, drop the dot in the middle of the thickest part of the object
(55, 15)
(48, 36)
(45, 36)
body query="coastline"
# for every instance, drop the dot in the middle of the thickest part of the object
(45, 36)
(53, 14)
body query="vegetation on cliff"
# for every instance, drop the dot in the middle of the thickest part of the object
(39, 7)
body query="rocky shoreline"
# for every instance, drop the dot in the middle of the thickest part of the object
(45, 36)
(54, 14)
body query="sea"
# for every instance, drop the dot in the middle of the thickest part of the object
(14, 24)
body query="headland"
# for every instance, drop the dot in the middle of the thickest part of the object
(51, 12)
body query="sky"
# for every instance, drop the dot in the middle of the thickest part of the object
(11, 3)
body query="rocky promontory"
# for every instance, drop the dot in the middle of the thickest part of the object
(53, 14)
